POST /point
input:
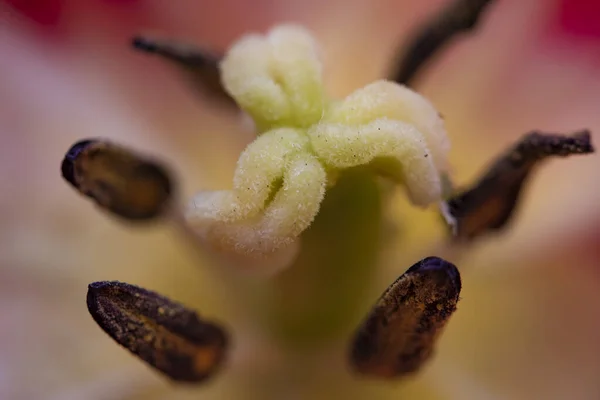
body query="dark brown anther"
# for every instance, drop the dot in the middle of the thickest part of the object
(491, 202)
(399, 334)
(165, 334)
(460, 16)
(201, 66)
(118, 180)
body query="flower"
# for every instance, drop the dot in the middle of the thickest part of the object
(305, 144)
(146, 254)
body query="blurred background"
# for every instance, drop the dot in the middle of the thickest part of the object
(529, 321)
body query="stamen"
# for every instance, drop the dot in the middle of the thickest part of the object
(399, 334)
(165, 334)
(118, 180)
(491, 202)
(201, 66)
(460, 16)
